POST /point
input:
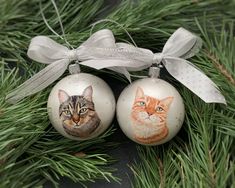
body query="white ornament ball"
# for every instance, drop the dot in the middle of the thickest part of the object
(150, 111)
(81, 106)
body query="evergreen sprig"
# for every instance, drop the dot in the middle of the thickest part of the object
(30, 151)
(201, 156)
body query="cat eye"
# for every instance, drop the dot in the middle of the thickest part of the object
(159, 109)
(142, 103)
(67, 112)
(83, 110)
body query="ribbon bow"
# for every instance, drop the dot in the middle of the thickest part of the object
(45, 50)
(180, 46)
(101, 51)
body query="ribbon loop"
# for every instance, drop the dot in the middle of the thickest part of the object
(45, 50)
(182, 43)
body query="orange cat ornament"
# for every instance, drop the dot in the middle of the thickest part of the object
(150, 111)
(148, 117)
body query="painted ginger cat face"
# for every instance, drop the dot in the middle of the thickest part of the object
(78, 114)
(149, 117)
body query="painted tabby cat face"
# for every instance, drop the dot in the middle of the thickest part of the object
(147, 110)
(77, 113)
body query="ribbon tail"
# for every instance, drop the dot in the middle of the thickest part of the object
(39, 81)
(194, 79)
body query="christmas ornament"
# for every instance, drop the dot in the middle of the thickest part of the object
(150, 111)
(81, 106)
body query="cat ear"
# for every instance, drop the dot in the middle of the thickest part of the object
(87, 93)
(167, 101)
(139, 93)
(63, 96)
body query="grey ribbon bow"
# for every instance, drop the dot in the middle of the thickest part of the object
(180, 46)
(44, 50)
(101, 51)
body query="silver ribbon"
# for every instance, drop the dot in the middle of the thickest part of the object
(100, 51)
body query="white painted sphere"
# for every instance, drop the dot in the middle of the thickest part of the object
(150, 111)
(81, 106)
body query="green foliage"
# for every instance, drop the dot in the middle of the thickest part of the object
(31, 152)
(200, 156)
(151, 22)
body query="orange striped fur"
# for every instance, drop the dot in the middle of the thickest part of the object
(149, 117)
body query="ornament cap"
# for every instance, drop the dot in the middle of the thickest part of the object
(154, 72)
(74, 68)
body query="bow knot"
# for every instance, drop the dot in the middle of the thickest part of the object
(72, 55)
(157, 58)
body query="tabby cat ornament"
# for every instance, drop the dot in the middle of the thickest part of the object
(81, 106)
(150, 111)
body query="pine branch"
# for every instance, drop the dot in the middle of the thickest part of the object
(220, 55)
(203, 157)
(154, 21)
(221, 68)
(32, 153)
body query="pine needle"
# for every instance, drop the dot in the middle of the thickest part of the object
(31, 152)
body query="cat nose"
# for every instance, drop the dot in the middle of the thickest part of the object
(150, 113)
(76, 119)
